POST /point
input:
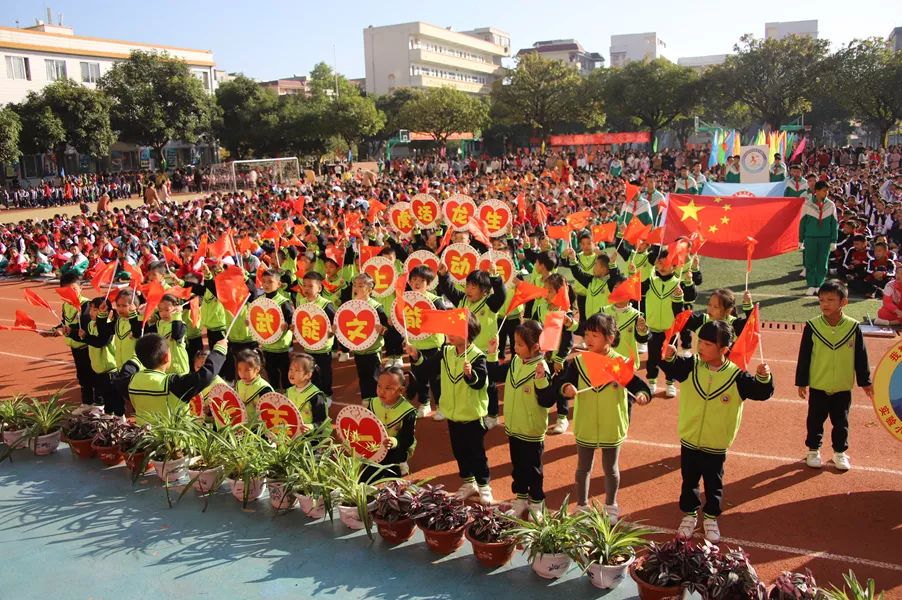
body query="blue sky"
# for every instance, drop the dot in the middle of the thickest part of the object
(266, 39)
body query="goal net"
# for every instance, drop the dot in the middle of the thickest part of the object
(252, 174)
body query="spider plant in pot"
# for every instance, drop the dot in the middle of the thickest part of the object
(442, 517)
(735, 578)
(246, 455)
(607, 550)
(663, 569)
(281, 460)
(79, 430)
(166, 444)
(310, 475)
(549, 539)
(490, 536)
(392, 511)
(355, 479)
(130, 436)
(106, 440)
(794, 586)
(856, 590)
(14, 421)
(45, 423)
(205, 471)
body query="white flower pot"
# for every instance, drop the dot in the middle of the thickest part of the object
(315, 509)
(348, 515)
(13, 439)
(608, 576)
(254, 491)
(170, 470)
(206, 481)
(45, 444)
(551, 566)
(279, 497)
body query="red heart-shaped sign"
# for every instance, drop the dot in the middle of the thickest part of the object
(413, 315)
(425, 209)
(313, 329)
(458, 212)
(461, 260)
(363, 433)
(356, 324)
(401, 217)
(503, 265)
(227, 407)
(197, 405)
(266, 322)
(279, 414)
(496, 216)
(383, 276)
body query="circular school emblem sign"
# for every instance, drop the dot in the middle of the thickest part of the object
(754, 160)
(888, 391)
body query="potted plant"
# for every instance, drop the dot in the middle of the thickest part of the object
(856, 590)
(549, 538)
(354, 480)
(206, 468)
(735, 578)
(490, 535)
(607, 550)
(310, 475)
(245, 462)
(442, 517)
(166, 444)
(79, 430)
(45, 423)
(664, 569)
(130, 436)
(794, 586)
(106, 440)
(392, 511)
(281, 460)
(14, 421)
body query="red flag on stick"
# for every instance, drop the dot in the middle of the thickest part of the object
(194, 311)
(368, 252)
(153, 293)
(104, 277)
(749, 251)
(631, 191)
(479, 232)
(559, 232)
(180, 292)
(446, 239)
(298, 205)
(679, 322)
(604, 233)
(562, 298)
(224, 246)
(745, 345)
(172, 257)
(578, 220)
(24, 321)
(553, 329)
(677, 253)
(231, 290)
(32, 298)
(541, 213)
(375, 208)
(136, 278)
(523, 293)
(447, 322)
(69, 296)
(634, 230)
(521, 206)
(601, 370)
(631, 289)
(201, 252)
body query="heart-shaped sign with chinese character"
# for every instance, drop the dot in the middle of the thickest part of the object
(458, 210)
(413, 309)
(497, 217)
(401, 218)
(426, 210)
(382, 270)
(196, 405)
(355, 325)
(279, 414)
(423, 257)
(503, 263)
(265, 320)
(461, 260)
(311, 327)
(226, 406)
(363, 432)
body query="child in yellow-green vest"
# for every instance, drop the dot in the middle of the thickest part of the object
(213, 315)
(171, 326)
(194, 341)
(74, 320)
(311, 403)
(581, 266)
(832, 359)
(526, 417)
(711, 401)
(483, 296)
(597, 281)
(153, 391)
(601, 416)
(311, 292)
(721, 307)
(103, 363)
(249, 384)
(240, 337)
(419, 280)
(276, 354)
(393, 409)
(197, 364)
(367, 361)
(465, 402)
(125, 326)
(631, 327)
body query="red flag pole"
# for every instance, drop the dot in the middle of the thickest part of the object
(235, 318)
(110, 287)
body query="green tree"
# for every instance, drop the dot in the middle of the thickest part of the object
(867, 78)
(776, 79)
(444, 110)
(353, 118)
(248, 118)
(392, 105)
(10, 128)
(66, 114)
(652, 93)
(299, 127)
(156, 99)
(323, 84)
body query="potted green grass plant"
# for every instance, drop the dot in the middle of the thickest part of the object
(45, 423)
(282, 458)
(14, 421)
(167, 443)
(206, 468)
(354, 480)
(310, 476)
(854, 589)
(246, 455)
(549, 539)
(606, 550)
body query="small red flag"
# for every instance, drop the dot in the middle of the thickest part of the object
(376, 207)
(562, 298)
(602, 370)
(679, 322)
(201, 252)
(631, 191)
(559, 232)
(32, 298)
(479, 231)
(194, 311)
(677, 253)
(400, 286)
(69, 296)
(447, 322)
(104, 276)
(446, 239)
(335, 253)
(745, 345)
(298, 205)
(24, 321)
(180, 292)
(553, 328)
(272, 234)
(634, 230)
(245, 244)
(579, 220)
(541, 213)
(653, 236)
(170, 256)
(605, 232)
(631, 289)
(136, 277)
(524, 293)
(231, 290)
(521, 206)
(749, 251)
(352, 224)
(153, 293)
(224, 246)
(368, 252)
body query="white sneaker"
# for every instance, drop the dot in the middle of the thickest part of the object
(653, 387)
(561, 426)
(712, 531)
(404, 468)
(811, 291)
(686, 353)
(670, 392)
(490, 422)
(613, 512)
(841, 461)
(802, 273)
(643, 348)
(813, 459)
(687, 527)
(518, 508)
(468, 489)
(582, 508)
(485, 495)
(343, 357)
(438, 415)
(537, 508)
(424, 411)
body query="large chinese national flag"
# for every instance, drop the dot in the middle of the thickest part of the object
(727, 222)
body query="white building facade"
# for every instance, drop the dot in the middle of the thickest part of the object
(420, 55)
(781, 29)
(636, 46)
(700, 63)
(570, 52)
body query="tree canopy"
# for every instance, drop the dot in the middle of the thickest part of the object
(10, 128)
(442, 111)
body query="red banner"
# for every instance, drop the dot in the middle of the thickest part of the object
(596, 139)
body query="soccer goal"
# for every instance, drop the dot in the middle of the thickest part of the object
(252, 174)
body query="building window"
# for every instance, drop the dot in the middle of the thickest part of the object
(17, 67)
(56, 69)
(90, 72)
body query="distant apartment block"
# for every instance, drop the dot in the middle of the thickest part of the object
(635, 46)
(570, 52)
(895, 39)
(289, 86)
(700, 63)
(420, 55)
(780, 30)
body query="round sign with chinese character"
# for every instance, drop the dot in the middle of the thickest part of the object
(426, 210)
(226, 406)
(196, 406)
(355, 325)
(311, 327)
(363, 431)
(888, 391)
(382, 270)
(401, 218)
(497, 217)
(265, 320)
(461, 260)
(279, 415)
(415, 304)
(423, 257)
(503, 263)
(458, 210)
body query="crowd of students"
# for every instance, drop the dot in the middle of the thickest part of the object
(303, 244)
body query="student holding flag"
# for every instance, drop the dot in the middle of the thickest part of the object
(631, 325)
(75, 317)
(420, 278)
(598, 280)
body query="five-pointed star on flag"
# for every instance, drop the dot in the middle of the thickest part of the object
(690, 211)
(724, 220)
